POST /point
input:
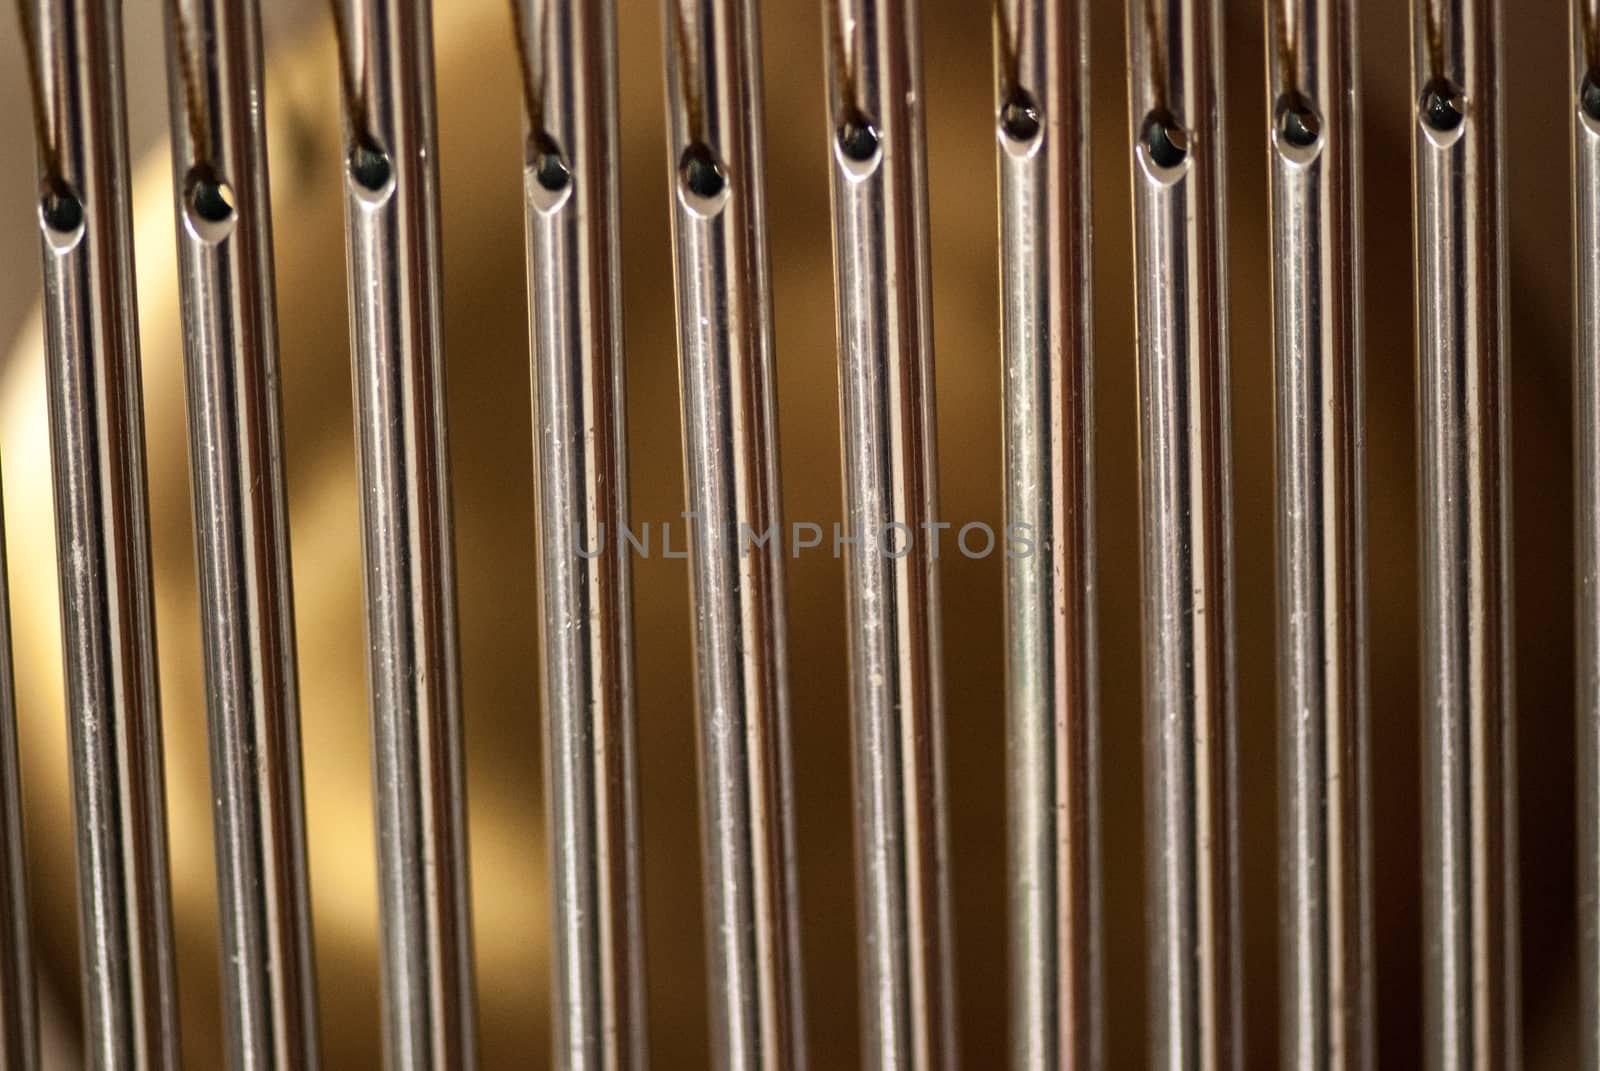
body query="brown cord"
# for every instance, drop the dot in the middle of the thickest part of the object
(193, 105)
(843, 57)
(688, 79)
(49, 147)
(1434, 28)
(1158, 55)
(355, 97)
(1590, 25)
(532, 91)
(1010, 47)
(1288, 44)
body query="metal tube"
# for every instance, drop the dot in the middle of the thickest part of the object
(408, 554)
(730, 442)
(878, 176)
(1174, 83)
(19, 1016)
(74, 52)
(1585, 103)
(241, 531)
(1042, 133)
(580, 446)
(1469, 798)
(1326, 1000)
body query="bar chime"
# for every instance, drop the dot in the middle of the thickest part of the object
(877, 169)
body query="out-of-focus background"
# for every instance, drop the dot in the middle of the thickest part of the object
(485, 326)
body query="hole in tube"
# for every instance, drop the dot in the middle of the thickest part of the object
(550, 168)
(1019, 118)
(702, 173)
(209, 200)
(1443, 106)
(370, 166)
(1298, 125)
(1165, 139)
(60, 210)
(858, 138)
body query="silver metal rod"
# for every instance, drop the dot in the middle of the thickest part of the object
(19, 1015)
(1469, 794)
(1314, 169)
(585, 594)
(74, 52)
(1174, 82)
(408, 553)
(241, 531)
(730, 443)
(878, 176)
(1042, 133)
(1585, 104)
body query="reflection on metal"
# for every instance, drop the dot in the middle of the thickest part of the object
(1174, 83)
(241, 531)
(19, 1020)
(1469, 786)
(1314, 155)
(74, 55)
(730, 436)
(575, 319)
(408, 553)
(1042, 139)
(729, 411)
(1585, 104)
(878, 175)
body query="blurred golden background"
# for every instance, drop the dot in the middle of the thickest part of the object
(487, 354)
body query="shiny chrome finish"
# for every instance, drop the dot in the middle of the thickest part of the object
(1469, 798)
(19, 1016)
(1174, 82)
(580, 443)
(1585, 103)
(730, 444)
(1042, 132)
(886, 395)
(1314, 170)
(241, 531)
(102, 534)
(392, 232)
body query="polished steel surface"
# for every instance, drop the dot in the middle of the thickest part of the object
(1174, 84)
(241, 531)
(1052, 700)
(413, 675)
(1585, 104)
(102, 534)
(585, 588)
(1471, 1000)
(1285, 871)
(1325, 889)
(19, 1013)
(727, 377)
(878, 177)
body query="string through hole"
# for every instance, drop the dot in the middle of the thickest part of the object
(858, 138)
(550, 168)
(702, 173)
(1299, 125)
(210, 198)
(1165, 139)
(1019, 117)
(371, 167)
(60, 209)
(1443, 106)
